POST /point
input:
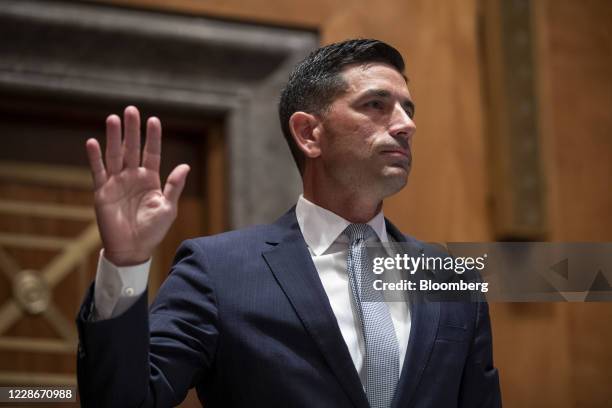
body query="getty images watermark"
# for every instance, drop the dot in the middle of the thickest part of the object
(503, 271)
(405, 263)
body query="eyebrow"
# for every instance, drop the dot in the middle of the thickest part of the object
(406, 103)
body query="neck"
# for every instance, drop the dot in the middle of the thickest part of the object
(354, 206)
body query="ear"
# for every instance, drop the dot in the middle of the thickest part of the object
(306, 131)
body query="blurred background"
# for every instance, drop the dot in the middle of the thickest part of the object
(514, 143)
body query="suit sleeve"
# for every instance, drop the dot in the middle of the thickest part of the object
(480, 381)
(151, 359)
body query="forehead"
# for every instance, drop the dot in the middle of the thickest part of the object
(361, 78)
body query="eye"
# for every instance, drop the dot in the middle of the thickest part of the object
(410, 111)
(375, 104)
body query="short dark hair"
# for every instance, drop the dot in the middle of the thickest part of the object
(316, 81)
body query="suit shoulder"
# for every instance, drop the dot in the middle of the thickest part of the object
(235, 238)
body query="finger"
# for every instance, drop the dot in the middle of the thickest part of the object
(114, 158)
(94, 154)
(131, 137)
(151, 155)
(175, 183)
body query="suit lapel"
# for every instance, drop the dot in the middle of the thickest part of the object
(424, 323)
(425, 317)
(295, 272)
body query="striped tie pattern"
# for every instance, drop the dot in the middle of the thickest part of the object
(381, 360)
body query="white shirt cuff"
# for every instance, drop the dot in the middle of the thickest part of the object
(118, 287)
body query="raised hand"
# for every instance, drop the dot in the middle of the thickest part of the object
(133, 212)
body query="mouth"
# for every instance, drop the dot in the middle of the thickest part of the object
(396, 153)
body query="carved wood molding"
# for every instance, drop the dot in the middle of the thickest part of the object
(518, 190)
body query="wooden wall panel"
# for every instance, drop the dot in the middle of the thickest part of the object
(576, 62)
(531, 343)
(575, 55)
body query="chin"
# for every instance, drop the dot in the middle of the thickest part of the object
(394, 180)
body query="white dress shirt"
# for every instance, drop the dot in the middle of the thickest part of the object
(118, 288)
(322, 231)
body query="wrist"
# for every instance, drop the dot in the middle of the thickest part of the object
(123, 259)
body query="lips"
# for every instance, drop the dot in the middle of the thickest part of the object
(396, 152)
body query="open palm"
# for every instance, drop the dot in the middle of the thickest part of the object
(133, 212)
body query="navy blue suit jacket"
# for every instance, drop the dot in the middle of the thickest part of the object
(244, 318)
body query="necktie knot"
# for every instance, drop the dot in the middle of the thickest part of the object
(359, 232)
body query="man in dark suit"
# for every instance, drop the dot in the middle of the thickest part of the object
(272, 315)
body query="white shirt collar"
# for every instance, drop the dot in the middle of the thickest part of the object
(321, 227)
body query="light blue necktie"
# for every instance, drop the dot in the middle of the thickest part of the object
(381, 360)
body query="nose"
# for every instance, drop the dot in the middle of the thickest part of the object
(401, 124)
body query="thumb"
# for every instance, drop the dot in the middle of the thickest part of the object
(175, 183)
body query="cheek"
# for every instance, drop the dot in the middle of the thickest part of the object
(349, 146)
(349, 138)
